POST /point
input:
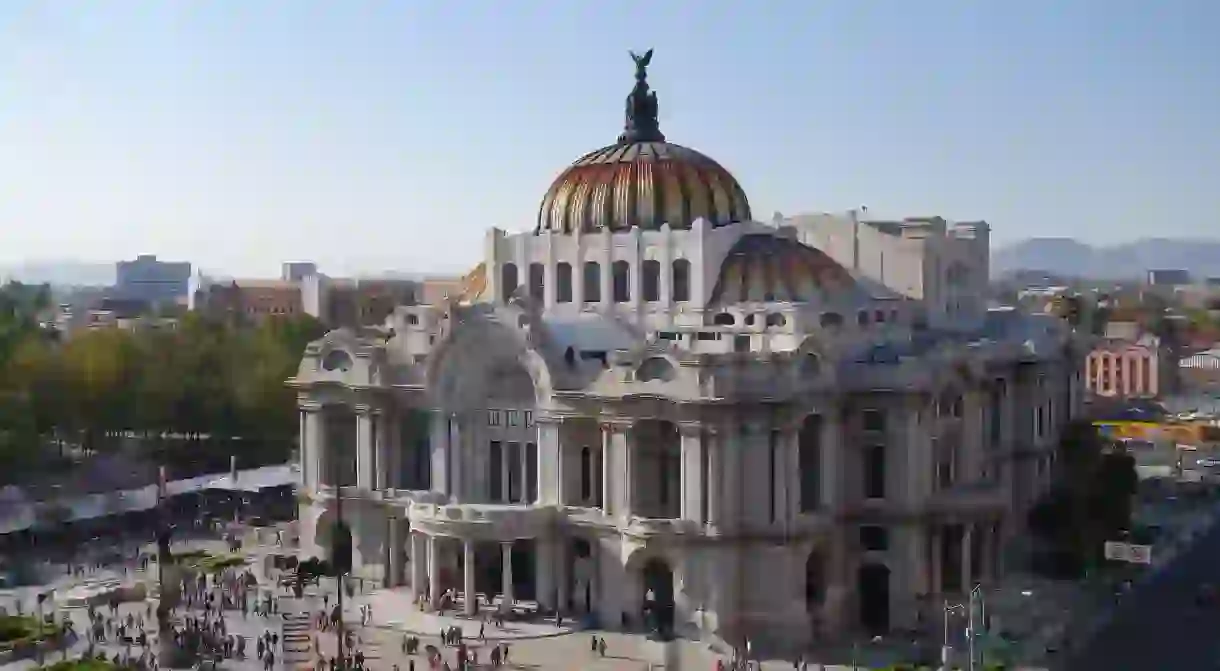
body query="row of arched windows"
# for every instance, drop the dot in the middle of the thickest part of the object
(591, 274)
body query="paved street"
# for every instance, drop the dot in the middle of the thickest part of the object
(1158, 626)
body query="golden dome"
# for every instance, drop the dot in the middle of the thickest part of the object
(641, 181)
(761, 267)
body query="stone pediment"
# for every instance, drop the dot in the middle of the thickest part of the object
(343, 357)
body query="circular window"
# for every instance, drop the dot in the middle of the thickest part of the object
(337, 360)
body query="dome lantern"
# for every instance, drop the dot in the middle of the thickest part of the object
(641, 181)
(642, 123)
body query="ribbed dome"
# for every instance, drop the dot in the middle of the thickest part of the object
(644, 185)
(761, 267)
(641, 181)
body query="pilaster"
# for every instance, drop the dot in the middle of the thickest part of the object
(832, 458)
(551, 462)
(470, 602)
(440, 451)
(365, 457)
(713, 477)
(313, 447)
(419, 564)
(692, 471)
(506, 562)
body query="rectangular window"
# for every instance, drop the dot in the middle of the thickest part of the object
(563, 282)
(495, 468)
(874, 538)
(873, 420)
(592, 282)
(529, 417)
(537, 282)
(493, 418)
(809, 455)
(621, 279)
(681, 280)
(531, 472)
(874, 472)
(514, 418)
(652, 280)
(741, 343)
(514, 472)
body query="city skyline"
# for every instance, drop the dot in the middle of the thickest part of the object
(393, 136)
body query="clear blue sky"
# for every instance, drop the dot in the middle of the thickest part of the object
(379, 135)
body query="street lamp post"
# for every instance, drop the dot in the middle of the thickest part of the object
(976, 593)
(341, 575)
(946, 652)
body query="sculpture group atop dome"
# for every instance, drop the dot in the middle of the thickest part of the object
(641, 123)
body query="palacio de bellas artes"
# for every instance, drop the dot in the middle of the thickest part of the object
(656, 412)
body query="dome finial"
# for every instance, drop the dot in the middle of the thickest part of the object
(641, 123)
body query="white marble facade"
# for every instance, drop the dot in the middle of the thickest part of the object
(782, 442)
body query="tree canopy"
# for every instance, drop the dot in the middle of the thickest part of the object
(1090, 503)
(93, 391)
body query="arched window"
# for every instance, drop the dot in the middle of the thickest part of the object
(681, 280)
(724, 319)
(593, 282)
(563, 282)
(537, 282)
(621, 279)
(652, 280)
(508, 281)
(831, 319)
(776, 319)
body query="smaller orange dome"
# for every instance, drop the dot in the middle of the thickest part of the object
(762, 267)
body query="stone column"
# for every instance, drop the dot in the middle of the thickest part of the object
(419, 564)
(382, 471)
(303, 450)
(364, 448)
(936, 582)
(792, 471)
(544, 571)
(439, 446)
(434, 571)
(454, 455)
(607, 462)
(967, 558)
(832, 464)
(625, 447)
(314, 448)
(712, 478)
(393, 572)
(506, 559)
(563, 576)
(782, 474)
(692, 472)
(470, 601)
(551, 462)
(731, 474)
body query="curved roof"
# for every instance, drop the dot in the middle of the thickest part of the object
(761, 267)
(641, 185)
(641, 181)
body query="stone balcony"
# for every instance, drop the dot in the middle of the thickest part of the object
(483, 521)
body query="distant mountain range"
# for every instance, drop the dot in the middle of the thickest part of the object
(1066, 257)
